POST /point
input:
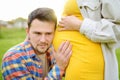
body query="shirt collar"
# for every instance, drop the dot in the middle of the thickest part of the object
(29, 49)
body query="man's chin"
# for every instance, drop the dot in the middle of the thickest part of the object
(42, 51)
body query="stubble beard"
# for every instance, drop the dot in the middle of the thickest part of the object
(40, 50)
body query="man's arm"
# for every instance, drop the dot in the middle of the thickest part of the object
(14, 67)
(62, 56)
(15, 70)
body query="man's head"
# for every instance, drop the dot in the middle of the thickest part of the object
(41, 27)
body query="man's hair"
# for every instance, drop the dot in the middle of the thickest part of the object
(42, 14)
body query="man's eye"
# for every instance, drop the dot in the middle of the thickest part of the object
(49, 33)
(37, 33)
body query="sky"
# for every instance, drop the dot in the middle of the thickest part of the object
(12, 9)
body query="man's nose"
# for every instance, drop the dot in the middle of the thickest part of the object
(42, 38)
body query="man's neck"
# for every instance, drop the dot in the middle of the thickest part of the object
(43, 58)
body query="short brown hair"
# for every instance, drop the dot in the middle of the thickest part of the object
(43, 14)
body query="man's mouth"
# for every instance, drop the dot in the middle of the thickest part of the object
(42, 45)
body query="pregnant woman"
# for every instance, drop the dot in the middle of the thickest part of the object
(93, 28)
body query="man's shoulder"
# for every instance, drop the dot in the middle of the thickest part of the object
(15, 51)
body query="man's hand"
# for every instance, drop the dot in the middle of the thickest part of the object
(69, 23)
(63, 54)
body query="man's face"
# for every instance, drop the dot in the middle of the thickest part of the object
(41, 34)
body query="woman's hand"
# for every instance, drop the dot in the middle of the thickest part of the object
(69, 23)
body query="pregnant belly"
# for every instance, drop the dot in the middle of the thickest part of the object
(86, 62)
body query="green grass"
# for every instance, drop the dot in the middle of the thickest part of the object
(11, 37)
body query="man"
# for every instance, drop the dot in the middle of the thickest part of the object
(32, 59)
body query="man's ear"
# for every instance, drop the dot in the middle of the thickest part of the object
(27, 33)
(27, 30)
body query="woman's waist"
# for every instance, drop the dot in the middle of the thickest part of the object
(74, 37)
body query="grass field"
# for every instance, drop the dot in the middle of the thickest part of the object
(10, 37)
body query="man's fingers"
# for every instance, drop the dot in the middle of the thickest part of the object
(69, 55)
(68, 50)
(63, 54)
(63, 48)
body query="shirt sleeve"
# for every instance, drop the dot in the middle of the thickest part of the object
(14, 70)
(103, 31)
(55, 73)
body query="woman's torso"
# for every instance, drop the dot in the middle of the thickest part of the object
(86, 62)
